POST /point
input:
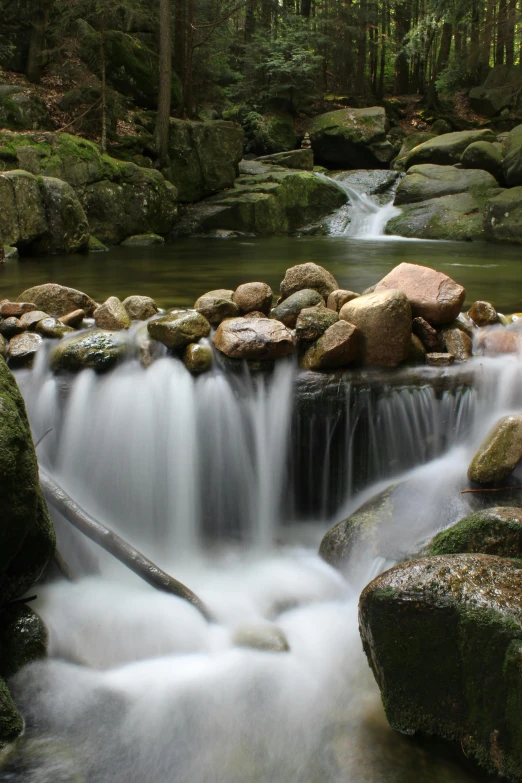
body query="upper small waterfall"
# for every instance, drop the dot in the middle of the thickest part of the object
(370, 203)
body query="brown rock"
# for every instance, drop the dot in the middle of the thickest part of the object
(198, 358)
(339, 297)
(11, 326)
(15, 309)
(53, 328)
(73, 319)
(23, 349)
(30, 319)
(3, 346)
(255, 314)
(384, 318)
(498, 340)
(417, 352)
(458, 343)
(217, 305)
(439, 359)
(140, 308)
(427, 334)
(57, 299)
(251, 297)
(308, 276)
(432, 295)
(253, 338)
(312, 323)
(337, 348)
(499, 453)
(112, 315)
(179, 328)
(483, 313)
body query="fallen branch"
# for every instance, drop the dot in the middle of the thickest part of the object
(490, 489)
(115, 545)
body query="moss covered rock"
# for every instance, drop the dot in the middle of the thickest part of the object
(483, 155)
(22, 216)
(408, 143)
(98, 349)
(23, 638)
(499, 453)
(447, 149)
(11, 723)
(67, 226)
(512, 164)
(494, 531)
(269, 133)
(351, 138)
(427, 181)
(23, 109)
(503, 217)
(443, 636)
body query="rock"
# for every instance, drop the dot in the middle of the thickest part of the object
(253, 297)
(58, 299)
(204, 157)
(11, 326)
(23, 109)
(494, 531)
(427, 334)
(337, 348)
(408, 143)
(179, 328)
(432, 295)
(143, 240)
(53, 328)
(74, 318)
(427, 181)
(440, 359)
(265, 637)
(455, 218)
(312, 323)
(512, 164)
(10, 252)
(23, 348)
(447, 149)
(497, 340)
(339, 297)
(351, 138)
(22, 217)
(457, 343)
(483, 155)
(26, 534)
(149, 350)
(112, 315)
(380, 184)
(417, 352)
(255, 314)
(268, 133)
(11, 722)
(95, 246)
(288, 310)
(309, 276)
(67, 226)
(253, 338)
(3, 347)
(98, 349)
(293, 159)
(503, 217)
(499, 453)
(499, 91)
(442, 636)
(29, 320)
(483, 313)
(23, 639)
(140, 308)
(384, 319)
(198, 358)
(217, 305)
(15, 309)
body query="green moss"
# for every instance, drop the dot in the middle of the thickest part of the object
(11, 723)
(496, 531)
(23, 638)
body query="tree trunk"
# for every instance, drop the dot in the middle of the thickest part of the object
(249, 21)
(37, 41)
(306, 6)
(510, 32)
(402, 28)
(165, 83)
(501, 32)
(180, 40)
(360, 76)
(487, 37)
(380, 88)
(103, 68)
(189, 85)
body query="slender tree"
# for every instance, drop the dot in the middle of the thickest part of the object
(165, 83)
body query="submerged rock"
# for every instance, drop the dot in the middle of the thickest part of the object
(143, 240)
(432, 295)
(265, 637)
(112, 315)
(310, 276)
(384, 320)
(499, 453)
(98, 349)
(494, 531)
(498, 340)
(253, 297)
(253, 338)
(179, 328)
(288, 310)
(443, 637)
(337, 348)
(58, 299)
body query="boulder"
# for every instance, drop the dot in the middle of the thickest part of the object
(512, 164)
(312, 323)
(483, 313)
(22, 217)
(447, 149)
(23, 639)
(253, 338)
(443, 637)
(58, 299)
(140, 308)
(494, 531)
(503, 217)
(440, 359)
(22, 109)
(97, 349)
(3, 346)
(112, 315)
(351, 138)
(23, 348)
(337, 348)
(384, 320)
(457, 343)
(253, 297)
(67, 226)
(143, 240)
(483, 155)
(427, 334)
(198, 358)
(427, 181)
(11, 722)
(268, 133)
(310, 276)
(293, 159)
(179, 328)
(217, 305)
(499, 453)
(204, 157)
(499, 91)
(408, 143)
(288, 310)
(339, 297)
(454, 218)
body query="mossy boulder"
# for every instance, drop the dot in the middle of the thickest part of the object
(269, 133)
(494, 531)
(447, 149)
(351, 138)
(288, 310)
(512, 164)
(483, 155)
(23, 109)
(204, 157)
(97, 349)
(408, 143)
(23, 638)
(503, 217)
(443, 637)
(11, 723)
(294, 159)
(428, 181)
(22, 217)
(58, 299)
(499, 91)
(67, 226)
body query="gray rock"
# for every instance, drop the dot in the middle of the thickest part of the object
(140, 308)
(23, 348)
(264, 637)
(217, 305)
(447, 149)
(98, 349)
(179, 328)
(429, 181)
(112, 315)
(288, 310)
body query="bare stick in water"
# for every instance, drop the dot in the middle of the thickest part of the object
(115, 545)
(490, 489)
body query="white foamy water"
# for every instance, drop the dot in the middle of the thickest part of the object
(364, 216)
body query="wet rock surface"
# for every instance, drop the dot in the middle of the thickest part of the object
(499, 453)
(253, 338)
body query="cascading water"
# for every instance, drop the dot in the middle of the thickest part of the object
(212, 477)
